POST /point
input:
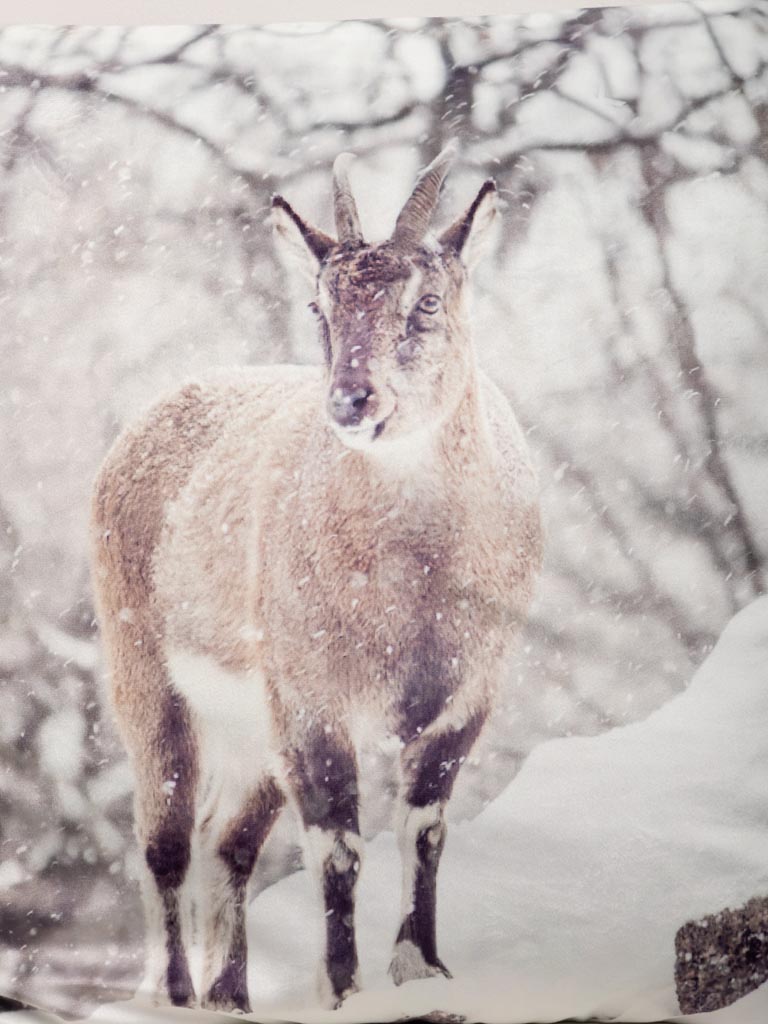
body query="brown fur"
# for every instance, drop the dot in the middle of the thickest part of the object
(234, 523)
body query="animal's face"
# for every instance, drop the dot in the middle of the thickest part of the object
(391, 320)
(397, 352)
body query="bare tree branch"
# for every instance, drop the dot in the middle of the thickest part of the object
(696, 376)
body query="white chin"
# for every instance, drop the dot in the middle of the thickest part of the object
(357, 438)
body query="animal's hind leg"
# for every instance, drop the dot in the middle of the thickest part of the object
(229, 846)
(165, 763)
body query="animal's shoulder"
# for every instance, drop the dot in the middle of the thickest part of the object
(190, 419)
(514, 464)
(152, 461)
(517, 490)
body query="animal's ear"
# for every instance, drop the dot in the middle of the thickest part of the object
(304, 246)
(467, 235)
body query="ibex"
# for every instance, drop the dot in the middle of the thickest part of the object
(284, 552)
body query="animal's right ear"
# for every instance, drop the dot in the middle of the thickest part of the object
(468, 235)
(304, 246)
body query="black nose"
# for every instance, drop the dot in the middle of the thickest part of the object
(349, 404)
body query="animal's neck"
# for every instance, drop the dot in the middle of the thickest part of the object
(435, 456)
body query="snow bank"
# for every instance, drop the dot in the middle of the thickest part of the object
(564, 896)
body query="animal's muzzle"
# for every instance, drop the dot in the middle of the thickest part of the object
(350, 402)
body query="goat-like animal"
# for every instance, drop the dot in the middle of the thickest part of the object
(281, 552)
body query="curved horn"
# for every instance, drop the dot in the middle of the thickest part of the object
(344, 207)
(413, 222)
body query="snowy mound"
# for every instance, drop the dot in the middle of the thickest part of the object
(564, 896)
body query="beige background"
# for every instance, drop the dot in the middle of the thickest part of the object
(169, 12)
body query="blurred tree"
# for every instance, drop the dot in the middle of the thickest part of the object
(623, 309)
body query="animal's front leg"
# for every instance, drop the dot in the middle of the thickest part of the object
(430, 764)
(323, 774)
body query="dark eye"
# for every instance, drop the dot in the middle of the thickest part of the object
(315, 308)
(428, 304)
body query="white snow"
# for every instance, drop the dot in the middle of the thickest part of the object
(60, 744)
(81, 653)
(563, 897)
(12, 873)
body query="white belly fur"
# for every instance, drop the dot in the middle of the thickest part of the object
(231, 717)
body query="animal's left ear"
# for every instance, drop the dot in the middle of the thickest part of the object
(305, 247)
(468, 235)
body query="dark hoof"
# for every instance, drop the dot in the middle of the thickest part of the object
(408, 964)
(227, 1003)
(440, 966)
(228, 993)
(180, 989)
(338, 999)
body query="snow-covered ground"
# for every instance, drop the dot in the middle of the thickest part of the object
(562, 899)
